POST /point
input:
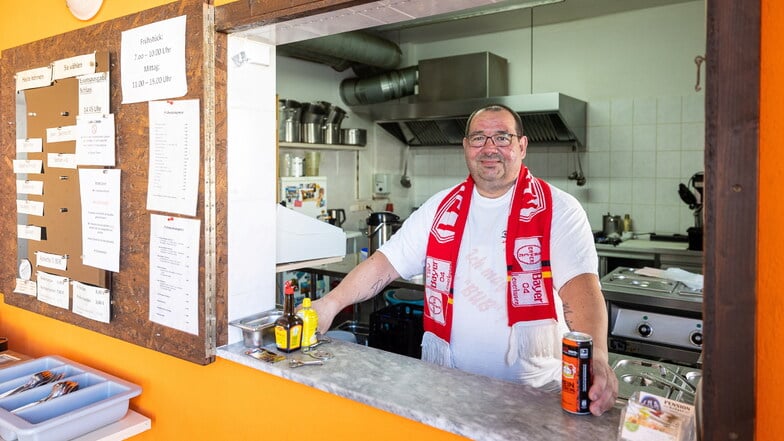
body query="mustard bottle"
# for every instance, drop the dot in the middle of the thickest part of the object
(309, 323)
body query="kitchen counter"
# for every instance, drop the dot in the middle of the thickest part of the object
(473, 406)
(650, 246)
(638, 253)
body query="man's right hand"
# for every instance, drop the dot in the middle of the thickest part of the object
(327, 309)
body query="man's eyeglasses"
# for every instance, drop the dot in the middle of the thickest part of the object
(500, 139)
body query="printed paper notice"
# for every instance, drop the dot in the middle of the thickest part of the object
(173, 184)
(61, 160)
(29, 145)
(26, 287)
(26, 186)
(100, 197)
(94, 94)
(28, 166)
(74, 66)
(174, 272)
(29, 232)
(25, 206)
(61, 134)
(49, 260)
(152, 61)
(30, 79)
(53, 289)
(91, 301)
(95, 140)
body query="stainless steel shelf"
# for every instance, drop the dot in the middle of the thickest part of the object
(310, 146)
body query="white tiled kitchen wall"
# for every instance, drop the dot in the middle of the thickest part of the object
(638, 151)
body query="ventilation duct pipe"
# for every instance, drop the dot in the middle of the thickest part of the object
(341, 51)
(380, 88)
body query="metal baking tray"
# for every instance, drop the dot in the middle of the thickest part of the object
(259, 329)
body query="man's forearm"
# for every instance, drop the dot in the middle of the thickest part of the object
(585, 310)
(364, 281)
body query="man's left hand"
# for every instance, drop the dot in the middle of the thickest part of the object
(604, 389)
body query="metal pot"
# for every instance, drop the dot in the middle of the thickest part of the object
(315, 112)
(289, 120)
(612, 225)
(381, 226)
(353, 136)
(313, 133)
(332, 133)
(335, 115)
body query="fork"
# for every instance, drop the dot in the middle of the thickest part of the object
(37, 379)
(59, 389)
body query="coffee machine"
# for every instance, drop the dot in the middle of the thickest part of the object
(692, 195)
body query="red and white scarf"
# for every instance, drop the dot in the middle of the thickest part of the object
(530, 303)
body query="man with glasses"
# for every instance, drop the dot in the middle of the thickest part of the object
(509, 267)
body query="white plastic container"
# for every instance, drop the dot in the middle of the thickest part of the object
(100, 400)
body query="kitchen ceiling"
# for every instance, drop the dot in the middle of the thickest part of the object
(448, 27)
(397, 19)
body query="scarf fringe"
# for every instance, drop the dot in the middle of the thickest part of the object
(533, 339)
(436, 350)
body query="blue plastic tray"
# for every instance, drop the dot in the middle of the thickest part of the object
(100, 400)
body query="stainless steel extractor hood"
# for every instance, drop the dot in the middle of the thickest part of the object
(549, 119)
(450, 89)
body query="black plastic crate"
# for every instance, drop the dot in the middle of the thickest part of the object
(398, 329)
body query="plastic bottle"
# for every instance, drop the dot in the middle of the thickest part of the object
(309, 323)
(627, 224)
(288, 327)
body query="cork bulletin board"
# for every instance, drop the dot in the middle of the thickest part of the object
(48, 107)
(130, 286)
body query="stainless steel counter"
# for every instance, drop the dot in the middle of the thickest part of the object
(473, 406)
(650, 246)
(642, 252)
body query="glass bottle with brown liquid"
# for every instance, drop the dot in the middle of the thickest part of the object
(288, 328)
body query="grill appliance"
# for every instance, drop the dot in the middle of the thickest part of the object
(654, 334)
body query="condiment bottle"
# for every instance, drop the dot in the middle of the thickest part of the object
(288, 328)
(309, 323)
(627, 224)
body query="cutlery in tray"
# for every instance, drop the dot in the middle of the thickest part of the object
(52, 398)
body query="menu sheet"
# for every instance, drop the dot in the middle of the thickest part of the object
(173, 184)
(174, 272)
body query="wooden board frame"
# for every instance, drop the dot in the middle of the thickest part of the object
(731, 188)
(130, 294)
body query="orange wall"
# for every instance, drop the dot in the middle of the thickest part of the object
(220, 401)
(770, 305)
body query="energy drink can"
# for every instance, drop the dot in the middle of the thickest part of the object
(576, 373)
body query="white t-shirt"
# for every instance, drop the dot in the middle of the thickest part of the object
(480, 330)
